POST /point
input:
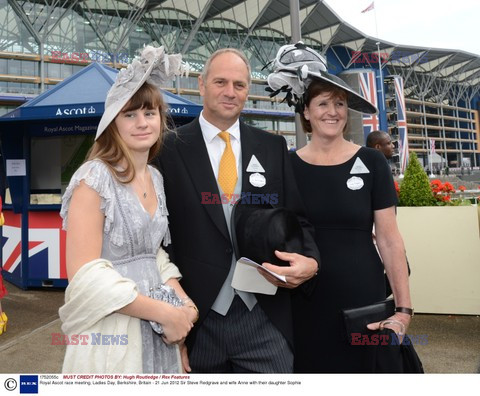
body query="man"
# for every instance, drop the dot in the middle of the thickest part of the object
(381, 141)
(206, 165)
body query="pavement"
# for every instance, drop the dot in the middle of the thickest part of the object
(452, 341)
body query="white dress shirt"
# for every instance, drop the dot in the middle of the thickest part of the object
(216, 145)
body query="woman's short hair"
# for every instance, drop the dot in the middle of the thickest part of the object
(316, 88)
(111, 149)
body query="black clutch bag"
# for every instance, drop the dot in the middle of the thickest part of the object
(356, 319)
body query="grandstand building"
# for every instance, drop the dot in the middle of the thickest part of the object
(428, 99)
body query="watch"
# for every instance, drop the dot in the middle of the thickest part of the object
(408, 311)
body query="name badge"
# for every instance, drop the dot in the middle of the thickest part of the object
(355, 183)
(257, 180)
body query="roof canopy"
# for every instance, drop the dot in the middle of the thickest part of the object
(83, 95)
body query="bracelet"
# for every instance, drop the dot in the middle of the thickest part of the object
(196, 309)
(382, 324)
(188, 299)
(408, 311)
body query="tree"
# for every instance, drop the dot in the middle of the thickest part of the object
(415, 188)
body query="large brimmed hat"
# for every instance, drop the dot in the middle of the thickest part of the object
(260, 229)
(154, 66)
(296, 66)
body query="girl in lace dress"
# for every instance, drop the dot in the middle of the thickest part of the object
(116, 221)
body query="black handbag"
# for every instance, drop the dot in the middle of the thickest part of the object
(357, 319)
(390, 357)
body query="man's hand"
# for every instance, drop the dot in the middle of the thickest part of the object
(300, 270)
(185, 360)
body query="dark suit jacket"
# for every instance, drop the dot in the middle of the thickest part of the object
(201, 247)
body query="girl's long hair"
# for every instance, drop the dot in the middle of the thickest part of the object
(111, 149)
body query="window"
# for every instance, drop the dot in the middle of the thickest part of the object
(15, 67)
(53, 70)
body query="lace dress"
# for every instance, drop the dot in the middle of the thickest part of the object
(131, 239)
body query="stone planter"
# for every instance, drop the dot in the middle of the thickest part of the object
(443, 248)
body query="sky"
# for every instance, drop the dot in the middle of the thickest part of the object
(451, 24)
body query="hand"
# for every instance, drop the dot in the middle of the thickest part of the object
(176, 325)
(300, 270)
(398, 317)
(191, 312)
(185, 360)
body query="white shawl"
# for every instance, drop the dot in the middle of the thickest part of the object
(91, 299)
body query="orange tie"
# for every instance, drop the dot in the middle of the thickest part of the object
(227, 171)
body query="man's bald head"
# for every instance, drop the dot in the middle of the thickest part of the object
(381, 141)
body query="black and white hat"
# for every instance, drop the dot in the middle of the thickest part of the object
(296, 66)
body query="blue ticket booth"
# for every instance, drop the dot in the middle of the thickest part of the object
(43, 142)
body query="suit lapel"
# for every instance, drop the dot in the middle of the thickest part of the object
(250, 146)
(193, 151)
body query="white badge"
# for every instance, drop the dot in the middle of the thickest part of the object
(355, 183)
(254, 165)
(257, 180)
(359, 167)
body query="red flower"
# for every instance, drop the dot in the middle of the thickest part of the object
(397, 187)
(462, 188)
(436, 185)
(447, 187)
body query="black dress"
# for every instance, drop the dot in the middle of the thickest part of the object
(340, 201)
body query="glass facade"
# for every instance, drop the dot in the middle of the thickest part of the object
(43, 42)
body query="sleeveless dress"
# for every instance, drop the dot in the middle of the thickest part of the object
(131, 240)
(339, 202)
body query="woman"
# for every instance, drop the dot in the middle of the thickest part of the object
(116, 219)
(3, 315)
(3, 290)
(346, 189)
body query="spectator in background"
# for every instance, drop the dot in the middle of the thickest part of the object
(381, 141)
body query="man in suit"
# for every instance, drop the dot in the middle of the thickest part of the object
(205, 166)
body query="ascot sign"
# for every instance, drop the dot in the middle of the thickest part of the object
(75, 111)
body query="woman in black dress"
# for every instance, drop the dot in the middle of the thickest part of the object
(346, 189)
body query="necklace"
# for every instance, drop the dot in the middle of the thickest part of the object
(144, 187)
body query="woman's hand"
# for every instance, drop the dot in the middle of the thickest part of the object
(399, 330)
(191, 312)
(176, 324)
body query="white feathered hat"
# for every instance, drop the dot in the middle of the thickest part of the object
(153, 66)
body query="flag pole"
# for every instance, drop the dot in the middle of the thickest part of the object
(431, 160)
(379, 58)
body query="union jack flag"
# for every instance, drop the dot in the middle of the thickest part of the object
(368, 89)
(46, 246)
(432, 146)
(369, 8)
(401, 123)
